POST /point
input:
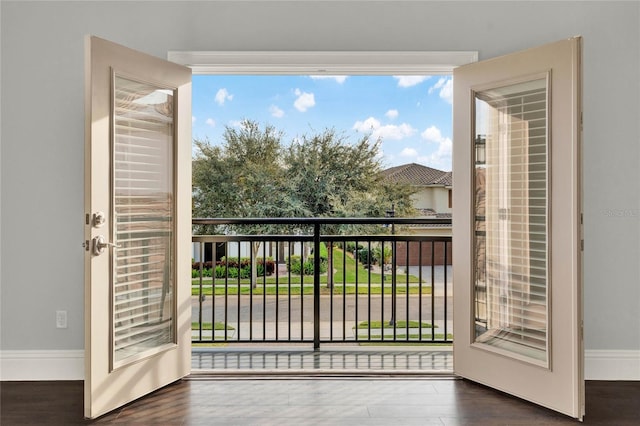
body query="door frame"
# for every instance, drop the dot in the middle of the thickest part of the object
(323, 62)
(326, 63)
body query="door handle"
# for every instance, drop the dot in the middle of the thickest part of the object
(99, 244)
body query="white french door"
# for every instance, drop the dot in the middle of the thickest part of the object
(516, 230)
(137, 224)
(517, 225)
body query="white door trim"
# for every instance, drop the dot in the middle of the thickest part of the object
(323, 62)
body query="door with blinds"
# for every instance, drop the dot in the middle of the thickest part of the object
(517, 225)
(137, 225)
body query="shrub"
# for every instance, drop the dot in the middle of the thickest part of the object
(221, 271)
(386, 256)
(350, 247)
(232, 272)
(205, 265)
(246, 262)
(295, 265)
(367, 257)
(231, 262)
(245, 271)
(195, 273)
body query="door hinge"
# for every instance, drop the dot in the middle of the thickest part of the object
(581, 121)
(87, 219)
(582, 245)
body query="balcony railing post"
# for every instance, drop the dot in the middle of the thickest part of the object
(393, 283)
(316, 286)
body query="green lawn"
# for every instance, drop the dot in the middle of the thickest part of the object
(339, 264)
(345, 270)
(399, 324)
(401, 330)
(209, 326)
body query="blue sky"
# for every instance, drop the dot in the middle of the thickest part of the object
(410, 114)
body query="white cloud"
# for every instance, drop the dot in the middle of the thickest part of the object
(276, 112)
(445, 85)
(368, 125)
(438, 84)
(388, 131)
(193, 119)
(304, 101)
(432, 134)
(410, 80)
(222, 96)
(338, 78)
(235, 123)
(408, 152)
(391, 131)
(446, 93)
(441, 159)
(392, 114)
(211, 122)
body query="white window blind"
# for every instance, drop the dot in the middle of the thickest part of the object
(511, 226)
(142, 208)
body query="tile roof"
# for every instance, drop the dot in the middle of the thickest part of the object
(445, 179)
(417, 174)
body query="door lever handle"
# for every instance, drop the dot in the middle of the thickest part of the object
(99, 244)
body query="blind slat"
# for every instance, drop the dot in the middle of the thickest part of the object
(512, 198)
(143, 186)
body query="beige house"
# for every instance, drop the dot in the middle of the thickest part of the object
(433, 198)
(434, 195)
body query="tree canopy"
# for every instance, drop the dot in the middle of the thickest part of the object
(253, 173)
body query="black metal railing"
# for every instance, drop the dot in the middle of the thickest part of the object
(321, 280)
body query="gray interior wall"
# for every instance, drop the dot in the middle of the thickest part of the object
(42, 125)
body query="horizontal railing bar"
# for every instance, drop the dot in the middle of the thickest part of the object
(242, 238)
(336, 342)
(320, 220)
(309, 238)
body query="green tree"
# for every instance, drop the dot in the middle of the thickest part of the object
(242, 177)
(251, 174)
(332, 177)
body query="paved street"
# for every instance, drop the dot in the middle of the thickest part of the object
(293, 316)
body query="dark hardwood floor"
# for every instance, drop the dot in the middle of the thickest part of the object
(314, 400)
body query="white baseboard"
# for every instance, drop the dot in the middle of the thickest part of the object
(612, 364)
(69, 365)
(42, 365)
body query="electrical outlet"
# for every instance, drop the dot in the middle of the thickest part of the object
(61, 319)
